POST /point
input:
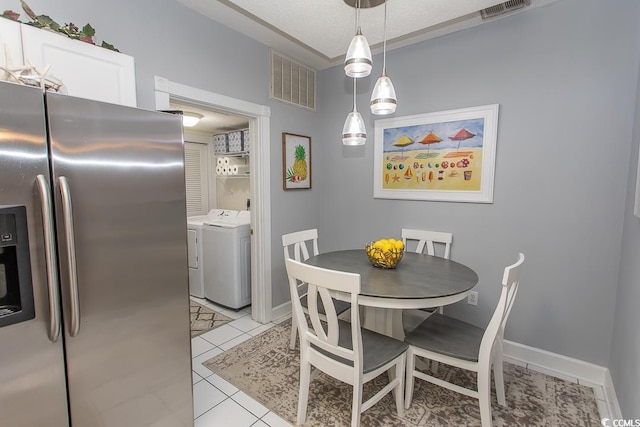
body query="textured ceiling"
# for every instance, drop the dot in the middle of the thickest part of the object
(317, 32)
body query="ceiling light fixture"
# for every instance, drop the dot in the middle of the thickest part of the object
(357, 63)
(383, 97)
(353, 131)
(190, 119)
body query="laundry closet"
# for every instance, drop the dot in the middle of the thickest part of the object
(217, 175)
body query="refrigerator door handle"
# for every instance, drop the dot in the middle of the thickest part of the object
(67, 212)
(50, 258)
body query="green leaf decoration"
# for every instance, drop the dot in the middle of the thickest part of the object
(88, 30)
(70, 30)
(28, 11)
(46, 22)
(289, 174)
(109, 46)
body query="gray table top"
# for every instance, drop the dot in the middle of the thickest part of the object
(416, 276)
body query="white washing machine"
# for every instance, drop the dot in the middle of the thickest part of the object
(226, 244)
(194, 251)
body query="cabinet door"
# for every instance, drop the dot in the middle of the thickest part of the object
(10, 43)
(87, 71)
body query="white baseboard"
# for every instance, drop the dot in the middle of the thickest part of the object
(281, 312)
(610, 396)
(566, 368)
(563, 365)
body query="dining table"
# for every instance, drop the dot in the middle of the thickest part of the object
(418, 281)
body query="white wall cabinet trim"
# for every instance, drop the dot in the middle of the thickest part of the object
(86, 70)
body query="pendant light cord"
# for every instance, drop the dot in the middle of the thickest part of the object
(354, 95)
(384, 41)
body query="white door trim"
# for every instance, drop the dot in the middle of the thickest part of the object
(260, 178)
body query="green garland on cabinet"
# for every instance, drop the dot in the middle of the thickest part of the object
(70, 30)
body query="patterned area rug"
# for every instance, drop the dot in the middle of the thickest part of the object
(204, 319)
(268, 371)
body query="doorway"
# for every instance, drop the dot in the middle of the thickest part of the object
(259, 127)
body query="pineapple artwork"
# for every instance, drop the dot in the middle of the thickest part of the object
(297, 161)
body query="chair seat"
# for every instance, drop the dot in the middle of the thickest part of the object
(377, 349)
(340, 306)
(448, 336)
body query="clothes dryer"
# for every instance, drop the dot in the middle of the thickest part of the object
(194, 253)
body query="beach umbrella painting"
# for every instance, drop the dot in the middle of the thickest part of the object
(461, 135)
(403, 142)
(431, 138)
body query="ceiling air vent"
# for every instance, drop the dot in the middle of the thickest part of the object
(292, 82)
(502, 8)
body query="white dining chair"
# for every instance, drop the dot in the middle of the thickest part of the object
(456, 343)
(299, 241)
(340, 349)
(437, 243)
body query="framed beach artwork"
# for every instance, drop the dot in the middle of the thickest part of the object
(296, 161)
(443, 156)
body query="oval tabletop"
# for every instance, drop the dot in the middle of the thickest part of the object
(417, 276)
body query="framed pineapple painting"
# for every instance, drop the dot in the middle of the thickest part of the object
(296, 161)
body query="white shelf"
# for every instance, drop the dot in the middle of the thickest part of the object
(233, 154)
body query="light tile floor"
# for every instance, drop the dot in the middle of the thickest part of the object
(216, 402)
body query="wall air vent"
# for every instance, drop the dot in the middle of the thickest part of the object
(503, 8)
(292, 82)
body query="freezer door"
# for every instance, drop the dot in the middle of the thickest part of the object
(122, 242)
(32, 378)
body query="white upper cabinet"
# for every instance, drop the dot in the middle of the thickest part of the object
(86, 70)
(10, 43)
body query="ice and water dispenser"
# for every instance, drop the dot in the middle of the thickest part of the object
(16, 289)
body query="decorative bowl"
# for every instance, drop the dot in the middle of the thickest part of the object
(380, 258)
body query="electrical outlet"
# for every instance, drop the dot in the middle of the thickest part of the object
(472, 298)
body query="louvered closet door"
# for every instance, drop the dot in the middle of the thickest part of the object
(196, 173)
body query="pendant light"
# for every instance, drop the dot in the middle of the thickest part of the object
(383, 97)
(357, 63)
(354, 132)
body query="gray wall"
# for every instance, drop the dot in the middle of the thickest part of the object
(625, 352)
(564, 137)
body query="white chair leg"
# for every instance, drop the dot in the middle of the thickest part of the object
(484, 396)
(303, 395)
(411, 365)
(498, 377)
(294, 332)
(356, 406)
(399, 389)
(434, 366)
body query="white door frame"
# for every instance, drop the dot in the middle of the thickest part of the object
(260, 178)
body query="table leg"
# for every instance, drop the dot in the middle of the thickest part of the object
(385, 321)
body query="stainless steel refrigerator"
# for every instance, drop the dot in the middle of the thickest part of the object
(94, 298)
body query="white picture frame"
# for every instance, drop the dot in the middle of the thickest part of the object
(443, 156)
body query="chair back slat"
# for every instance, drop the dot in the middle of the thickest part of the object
(322, 282)
(510, 285)
(331, 334)
(428, 239)
(299, 241)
